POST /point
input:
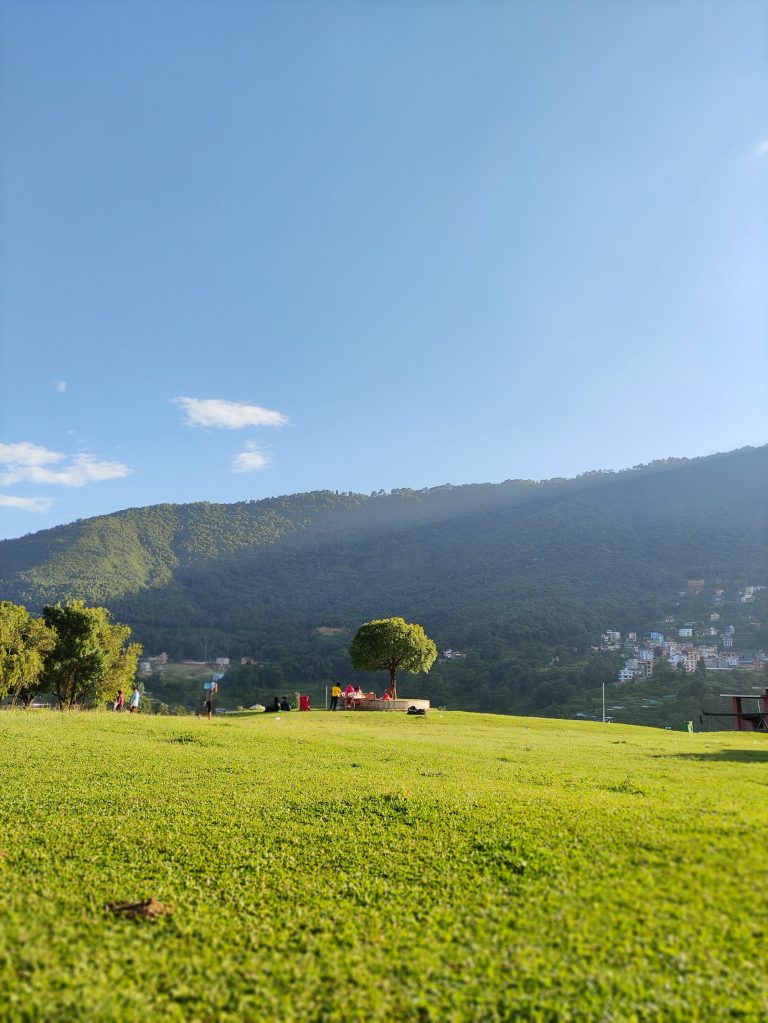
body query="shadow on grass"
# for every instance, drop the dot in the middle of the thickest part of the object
(734, 756)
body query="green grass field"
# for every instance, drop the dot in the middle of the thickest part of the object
(377, 867)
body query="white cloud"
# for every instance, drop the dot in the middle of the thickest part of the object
(249, 460)
(762, 147)
(29, 463)
(33, 504)
(26, 453)
(61, 386)
(227, 415)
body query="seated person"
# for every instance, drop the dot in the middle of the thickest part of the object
(386, 695)
(284, 704)
(275, 706)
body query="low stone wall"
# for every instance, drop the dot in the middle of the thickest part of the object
(401, 705)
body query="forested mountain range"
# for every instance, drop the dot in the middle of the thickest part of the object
(515, 573)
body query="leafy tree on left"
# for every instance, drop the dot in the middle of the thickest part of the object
(24, 643)
(91, 657)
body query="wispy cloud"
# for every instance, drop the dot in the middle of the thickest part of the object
(227, 415)
(250, 460)
(26, 453)
(30, 463)
(61, 386)
(33, 504)
(762, 147)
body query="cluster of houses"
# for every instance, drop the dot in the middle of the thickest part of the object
(158, 663)
(150, 664)
(713, 647)
(453, 655)
(679, 651)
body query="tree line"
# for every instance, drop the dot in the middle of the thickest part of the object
(74, 652)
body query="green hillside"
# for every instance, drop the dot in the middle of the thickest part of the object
(330, 867)
(517, 573)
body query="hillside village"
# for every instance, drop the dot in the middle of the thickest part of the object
(688, 644)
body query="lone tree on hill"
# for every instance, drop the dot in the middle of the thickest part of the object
(388, 644)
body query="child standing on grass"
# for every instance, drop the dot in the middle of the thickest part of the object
(120, 701)
(135, 701)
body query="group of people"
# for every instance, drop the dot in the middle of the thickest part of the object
(133, 704)
(350, 694)
(278, 705)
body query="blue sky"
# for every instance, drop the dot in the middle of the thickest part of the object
(257, 248)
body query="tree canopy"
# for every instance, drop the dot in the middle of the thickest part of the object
(91, 656)
(392, 644)
(24, 642)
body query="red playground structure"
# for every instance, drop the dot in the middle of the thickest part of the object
(752, 719)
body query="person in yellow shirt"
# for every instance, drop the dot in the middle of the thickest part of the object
(335, 696)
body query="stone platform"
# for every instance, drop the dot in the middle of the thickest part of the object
(401, 705)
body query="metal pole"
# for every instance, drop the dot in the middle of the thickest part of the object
(326, 697)
(603, 702)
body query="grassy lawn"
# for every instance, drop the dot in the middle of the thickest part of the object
(375, 867)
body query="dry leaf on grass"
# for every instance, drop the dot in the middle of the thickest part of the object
(147, 909)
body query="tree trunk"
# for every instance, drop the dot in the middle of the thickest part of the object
(392, 683)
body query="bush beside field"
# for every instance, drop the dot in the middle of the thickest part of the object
(362, 867)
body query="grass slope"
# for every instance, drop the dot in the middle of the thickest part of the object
(353, 866)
